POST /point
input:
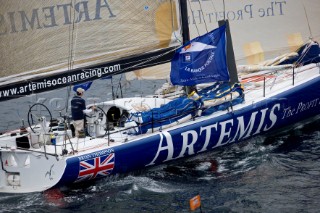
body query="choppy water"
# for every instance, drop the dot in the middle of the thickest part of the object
(264, 174)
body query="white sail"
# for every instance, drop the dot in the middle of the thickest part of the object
(151, 73)
(260, 29)
(56, 36)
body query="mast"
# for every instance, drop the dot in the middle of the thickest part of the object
(184, 21)
(185, 32)
(231, 61)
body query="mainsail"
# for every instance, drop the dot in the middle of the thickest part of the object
(51, 44)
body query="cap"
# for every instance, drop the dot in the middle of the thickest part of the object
(80, 90)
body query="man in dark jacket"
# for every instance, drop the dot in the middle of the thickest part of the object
(78, 111)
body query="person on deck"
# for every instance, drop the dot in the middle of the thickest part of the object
(194, 96)
(78, 111)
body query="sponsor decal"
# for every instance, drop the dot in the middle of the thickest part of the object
(52, 16)
(228, 131)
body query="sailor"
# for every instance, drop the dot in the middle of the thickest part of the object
(78, 111)
(194, 96)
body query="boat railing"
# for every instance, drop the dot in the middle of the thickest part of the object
(156, 123)
(110, 132)
(268, 79)
(193, 112)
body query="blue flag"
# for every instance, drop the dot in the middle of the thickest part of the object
(201, 60)
(84, 86)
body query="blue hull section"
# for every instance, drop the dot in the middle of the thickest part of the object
(287, 108)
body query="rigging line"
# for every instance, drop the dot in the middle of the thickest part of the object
(141, 92)
(305, 12)
(153, 64)
(113, 96)
(193, 18)
(68, 97)
(142, 62)
(119, 84)
(304, 53)
(76, 37)
(172, 22)
(224, 11)
(70, 58)
(150, 59)
(214, 8)
(72, 38)
(204, 20)
(141, 67)
(308, 45)
(69, 49)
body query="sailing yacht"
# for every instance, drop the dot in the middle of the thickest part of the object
(67, 44)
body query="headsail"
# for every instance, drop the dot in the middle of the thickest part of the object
(201, 60)
(51, 44)
(261, 30)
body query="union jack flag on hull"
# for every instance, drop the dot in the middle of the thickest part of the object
(96, 167)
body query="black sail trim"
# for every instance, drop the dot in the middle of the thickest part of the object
(50, 82)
